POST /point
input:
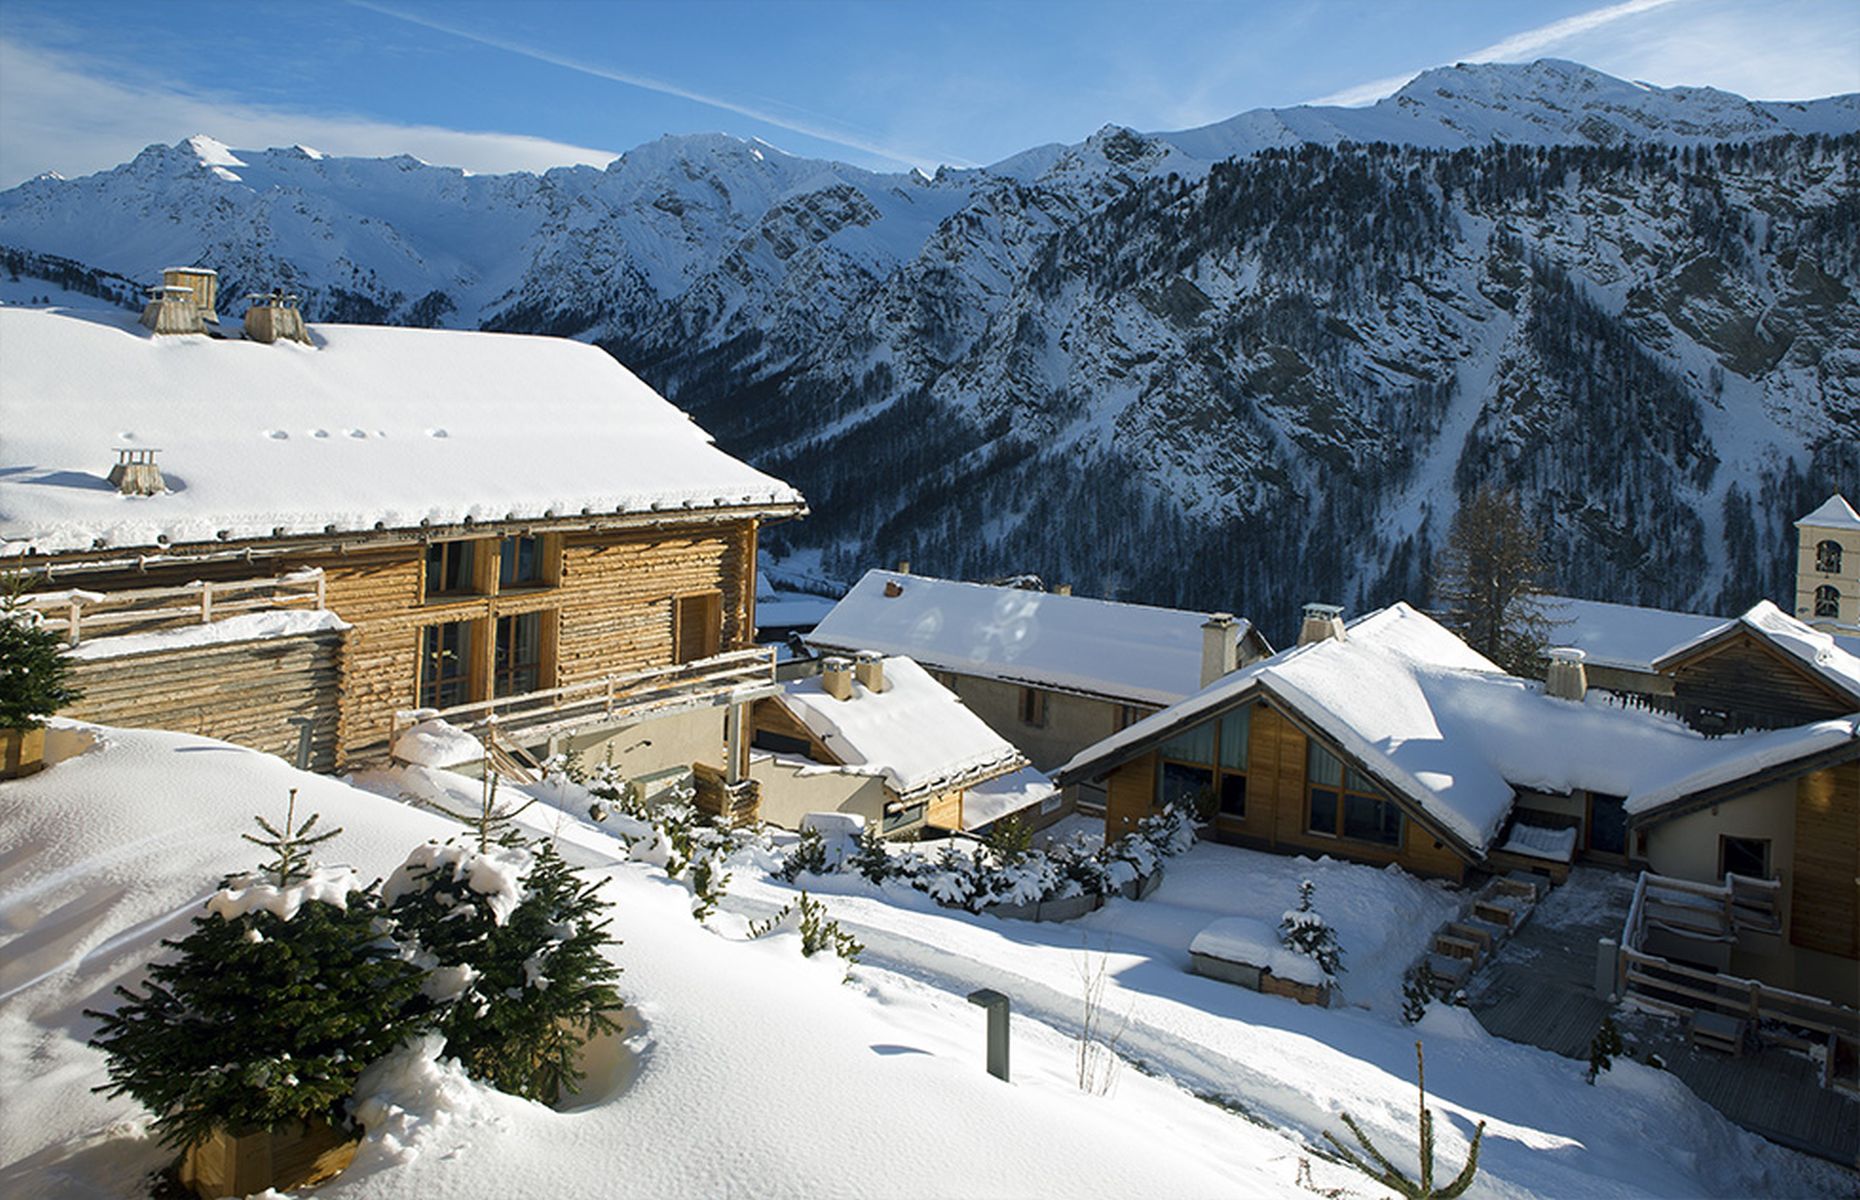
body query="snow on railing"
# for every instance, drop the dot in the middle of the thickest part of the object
(142, 610)
(632, 694)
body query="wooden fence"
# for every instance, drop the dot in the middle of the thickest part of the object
(77, 613)
(1716, 913)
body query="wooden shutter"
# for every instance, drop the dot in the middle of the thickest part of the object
(697, 626)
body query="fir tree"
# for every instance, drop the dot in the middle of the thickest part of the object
(517, 943)
(1385, 1173)
(1488, 582)
(1416, 995)
(281, 995)
(34, 672)
(1304, 930)
(870, 858)
(1603, 1047)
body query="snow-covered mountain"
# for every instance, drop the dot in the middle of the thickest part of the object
(1242, 366)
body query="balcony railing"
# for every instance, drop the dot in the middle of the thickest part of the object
(79, 614)
(532, 716)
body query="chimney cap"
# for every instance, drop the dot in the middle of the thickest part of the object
(1323, 610)
(836, 662)
(866, 656)
(1565, 654)
(1219, 619)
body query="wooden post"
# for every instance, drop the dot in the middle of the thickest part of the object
(733, 737)
(321, 588)
(206, 602)
(72, 616)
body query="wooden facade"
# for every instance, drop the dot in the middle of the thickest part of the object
(600, 598)
(1825, 912)
(1739, 681)
(1277, 811)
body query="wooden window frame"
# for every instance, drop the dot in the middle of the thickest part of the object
(1344, 792)
(712, 629)
(1769, 858)
(548, 563)
(1218, 771)
(472, 550)
(546, 619)
(472, 678)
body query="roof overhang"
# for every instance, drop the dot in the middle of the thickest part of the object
(1722, 793)
(1738, 630)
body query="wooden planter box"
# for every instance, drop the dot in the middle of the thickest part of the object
(229, 1164)
(1304, 993)
(22, 752)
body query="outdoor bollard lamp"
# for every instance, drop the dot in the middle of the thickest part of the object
(997, 1006)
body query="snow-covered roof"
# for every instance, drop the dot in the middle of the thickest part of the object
(992, 799)
(370, 428)
(1834, 513)
(1727, 760)
(915, 732)
(1623, 636)
(1131, 652)
(1454, 735)
(1817, 651)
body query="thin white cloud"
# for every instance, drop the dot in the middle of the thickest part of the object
(837, 136)
(1531, 43)
(61, 117)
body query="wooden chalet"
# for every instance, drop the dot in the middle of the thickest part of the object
(882, 739)
(1051, 672)
(256, 536)
(1390, 741)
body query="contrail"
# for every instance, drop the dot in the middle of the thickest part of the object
(650, 84)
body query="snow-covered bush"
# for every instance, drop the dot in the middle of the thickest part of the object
(285, 990)
(34, 672)
(807, 857)
(1304, 930)
(818, 931)
(1416, 994)
(514, 940)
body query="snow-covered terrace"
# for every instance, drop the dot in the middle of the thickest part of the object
(369, 429)
(1130, 652)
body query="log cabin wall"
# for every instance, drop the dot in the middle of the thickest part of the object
(243, 692)
(1276, 816)
(1754, 685)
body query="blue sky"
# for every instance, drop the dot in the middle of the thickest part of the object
(502, 86)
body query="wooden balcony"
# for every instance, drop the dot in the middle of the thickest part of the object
(736, 677)
(79, 614)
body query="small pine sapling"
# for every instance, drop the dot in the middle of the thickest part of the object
(284, 991)
(1388, 1175)
(517, 942)
(1009, 841)
(1603, 1047)
(809, 857)
(1305, 931)
(1416, 994)
(870, 858)
(818, 930)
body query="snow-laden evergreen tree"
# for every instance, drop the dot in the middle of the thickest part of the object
(516, 942)
(870, 858)
(34, 672)
(1304, 930)
(1602, 1049)
(1489, 581)
(285, 990)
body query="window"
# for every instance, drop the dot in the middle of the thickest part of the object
(449, 568)
(1344, 803)
(1828, 557)
(1744, 856)
(1827, 601)
(697, 626)
(445, 664)
(1183, 783)
(1236, 727)
(520, 563)
(1033, 707)
(898, 815)
(1207, 764)
(516, 665)
(1607, 823)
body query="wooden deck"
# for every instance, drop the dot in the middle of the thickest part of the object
(1539, 989)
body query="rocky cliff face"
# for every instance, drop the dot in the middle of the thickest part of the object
(1239, 367)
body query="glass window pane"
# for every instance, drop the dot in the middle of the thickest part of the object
(1323, 811)
(1359, 782)
(1195, 745)
(1371, 820)
(1235, 727)
(1179, 784)
(1323, 767)
(519, 561)
(1233, 795)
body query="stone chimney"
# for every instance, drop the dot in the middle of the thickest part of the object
(1062, 589)
(869, 670)
(203, 282)
(836, 677)
(1566, 678)
(171, 309)
(904, 566)
(274, 316)
(1220, 646)
(1322, 623)
(135, 473)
